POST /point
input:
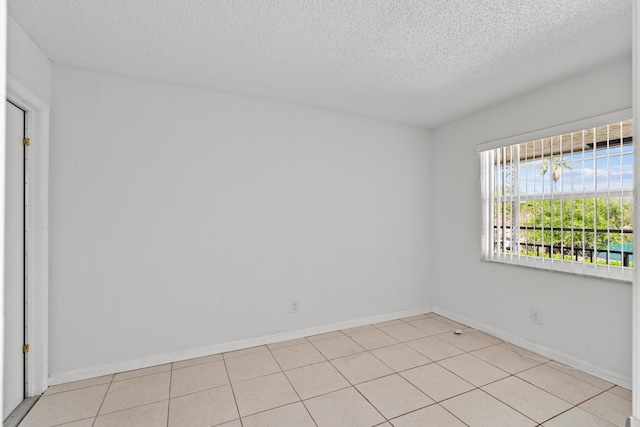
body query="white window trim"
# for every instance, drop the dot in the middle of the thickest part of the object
(549, 264)
(614, 116)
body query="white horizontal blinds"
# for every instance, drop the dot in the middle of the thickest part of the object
(564, 202)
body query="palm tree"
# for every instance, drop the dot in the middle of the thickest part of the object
(556, 166)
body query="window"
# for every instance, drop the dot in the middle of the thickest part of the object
(562, 201)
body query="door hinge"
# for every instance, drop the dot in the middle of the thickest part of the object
(25, 348)
(26, 142)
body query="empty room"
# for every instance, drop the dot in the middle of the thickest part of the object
(317, 213)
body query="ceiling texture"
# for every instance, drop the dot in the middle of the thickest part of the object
(420, 62)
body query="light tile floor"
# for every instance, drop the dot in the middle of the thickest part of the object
(403, 373)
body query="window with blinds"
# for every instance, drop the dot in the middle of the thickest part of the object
(562, 202)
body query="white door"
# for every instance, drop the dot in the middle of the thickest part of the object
(14, 375)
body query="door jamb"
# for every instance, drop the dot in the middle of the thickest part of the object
(37, 240)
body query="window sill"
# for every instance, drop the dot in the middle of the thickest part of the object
(598, 271)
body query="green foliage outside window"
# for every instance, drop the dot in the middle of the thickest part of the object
(571, 222)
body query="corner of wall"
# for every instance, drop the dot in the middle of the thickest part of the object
(27, 63)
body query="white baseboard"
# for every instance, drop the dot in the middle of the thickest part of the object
(573, 362)
(632, 422)
(129, 365)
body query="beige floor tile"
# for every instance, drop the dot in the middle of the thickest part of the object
(438, 383)
(562, 385)
(314, 380)
(609, 407)
(452, 323)
(324, 336)
(286, 416)
(434, 348)
(202, 396)
(417, 317)
(343, 408)
(431, 416)
(476, 371)
(477, 409)
(288, 343)
(361, 367)
(432, 326)
(338, 346)
(263, 393)
(505, 359)
(622, 392)
(598, 382)
(142, 372)
(251, 365)
(106, 379)
(465, 341)
(400, 357)
(197, 361)
(203, 409)
(438, 316)
(526, 353)
(65, 407)
(486, 337)
(153, 415)
(198, 378)
(374, 338)
(533, 402)
(87, 422)
(404, 332)
(136, 391)
(394, 396)
(350, 331)
(576, 417)
(245, 351)
(387, 323)
(297, 356)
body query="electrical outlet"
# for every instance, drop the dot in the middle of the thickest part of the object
(295, 307)
(536, 316)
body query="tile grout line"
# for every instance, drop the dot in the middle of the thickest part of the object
(501, 379)
(354, 385)
(233, 393)
(602, 391)
(103, 400)
(507, 405)
(169, 398)
(290, 384)
(573, 405)
(428, 406)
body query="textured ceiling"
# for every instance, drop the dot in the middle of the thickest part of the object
(423, 62)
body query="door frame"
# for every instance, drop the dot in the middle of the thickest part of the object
(37, 238)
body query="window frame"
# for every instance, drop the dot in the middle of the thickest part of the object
(485, 150)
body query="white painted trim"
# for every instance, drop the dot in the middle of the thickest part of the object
(599, 120)
(38, 238)
(632, 422)
(129, 365)
(3, 118)
(589, 368)
(635, 299)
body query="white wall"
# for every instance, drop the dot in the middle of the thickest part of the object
(26, 62)
(587, 321)
(183, 218)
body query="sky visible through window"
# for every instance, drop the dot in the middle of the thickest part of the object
(584, 171)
